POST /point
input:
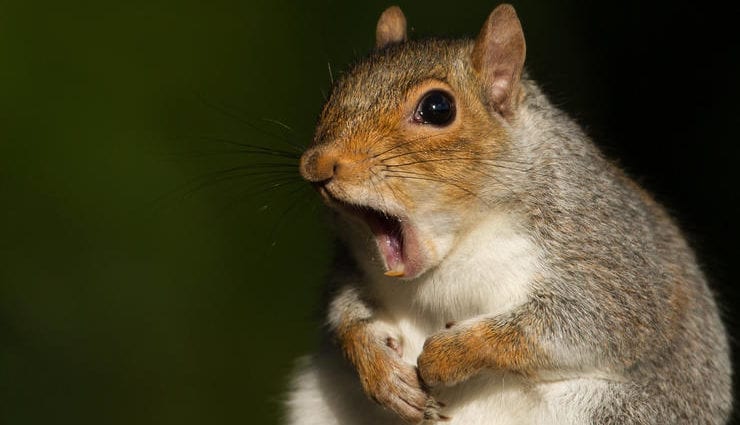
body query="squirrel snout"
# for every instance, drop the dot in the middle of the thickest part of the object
(320, 166)
(317, 167)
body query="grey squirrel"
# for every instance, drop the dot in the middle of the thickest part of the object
(496, 269)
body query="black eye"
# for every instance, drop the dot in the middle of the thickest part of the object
(436, 108)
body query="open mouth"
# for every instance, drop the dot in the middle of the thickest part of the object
(393, 236)
(389, 235)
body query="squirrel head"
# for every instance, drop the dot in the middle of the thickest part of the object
(405, 144)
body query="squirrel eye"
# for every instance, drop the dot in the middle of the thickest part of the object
(436, 108)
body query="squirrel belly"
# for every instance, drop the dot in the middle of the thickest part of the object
(495, 268)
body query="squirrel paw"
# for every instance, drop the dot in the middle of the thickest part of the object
(431, 412)
(449, 357)
(395, 385)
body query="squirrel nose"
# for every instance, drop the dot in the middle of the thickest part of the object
(320, 166)
(317, 166)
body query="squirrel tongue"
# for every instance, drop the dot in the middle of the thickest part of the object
(391, 246)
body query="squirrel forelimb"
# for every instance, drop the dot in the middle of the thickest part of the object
(455, 354)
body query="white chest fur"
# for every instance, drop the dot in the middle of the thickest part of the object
(489, 272)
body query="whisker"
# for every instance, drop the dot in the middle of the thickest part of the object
(491, 162)
(331, 74)
(243, 154)
(279, 123)
(487, 162)
(423, 161)
(438, 180)
(379, 192)
(271, 189)
(430, 151)
(272, 178)
(297, 199)
(448, 150)
(291, 197)
(240, 171)
(259, 180)
(276, 185)
(233, 114)
(385, 181)
(256, 149)
(415, 139)
(391, 148)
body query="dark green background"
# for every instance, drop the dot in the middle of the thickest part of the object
(135, 287)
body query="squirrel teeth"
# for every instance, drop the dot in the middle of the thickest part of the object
(391, 246)
(395, 273)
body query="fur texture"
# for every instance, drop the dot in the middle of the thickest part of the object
(539, 284)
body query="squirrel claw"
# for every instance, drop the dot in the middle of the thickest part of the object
(432, 414)
(431, 411)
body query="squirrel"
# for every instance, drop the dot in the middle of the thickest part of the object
(494, 267)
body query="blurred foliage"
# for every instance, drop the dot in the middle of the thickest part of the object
(140, 280)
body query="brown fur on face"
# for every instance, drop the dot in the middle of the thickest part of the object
(371, 151)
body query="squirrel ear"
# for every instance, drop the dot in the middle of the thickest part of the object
(391, 28)
(498, 57)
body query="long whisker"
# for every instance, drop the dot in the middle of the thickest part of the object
(272, 179)
(446, 150)
(233, 114)
(487, 161)
(387, 184)
(404, 175)
(256, 149)
(389, 149)
(276, 185)
(379, 192)
(447, 177)
(216, 152)
(211, 178)
(297, 198)
(423, 161)
(243, 154)
(422, 151)
(404, 143)
(331, 74)
(272, 189)
(279, 123)
(248, 168)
